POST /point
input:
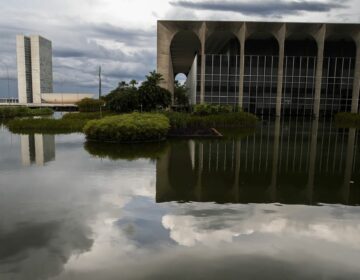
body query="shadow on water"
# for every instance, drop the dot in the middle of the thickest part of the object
(116, 151)
(290, 162)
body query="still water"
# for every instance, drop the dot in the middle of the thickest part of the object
(277, 203)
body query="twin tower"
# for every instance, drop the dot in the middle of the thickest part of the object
(34, 64)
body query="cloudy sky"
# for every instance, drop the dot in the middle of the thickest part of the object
(120, 35)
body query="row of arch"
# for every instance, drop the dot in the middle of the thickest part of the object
(188, 43)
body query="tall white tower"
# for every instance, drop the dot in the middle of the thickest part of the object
(34, 65)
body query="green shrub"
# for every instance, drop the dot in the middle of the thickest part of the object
(184, 120)
(347, 120)
(135, 127)
(151, 95)
(23, 111)
(47, 126)
(181, 95)
(115, 151)
(86, 115)
(212, 109)
(124, 100)
(90, 105)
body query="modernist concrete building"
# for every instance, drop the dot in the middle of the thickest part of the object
(263, 67)
(35, 73)
(34, 64)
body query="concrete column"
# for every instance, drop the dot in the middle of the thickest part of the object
(281, 40)
(202, 68)
(320, 40)
(164, 62)
(242, 39)
(356, 86)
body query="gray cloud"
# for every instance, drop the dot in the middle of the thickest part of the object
(262, 8)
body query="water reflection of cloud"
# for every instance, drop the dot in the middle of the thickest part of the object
(298, 222)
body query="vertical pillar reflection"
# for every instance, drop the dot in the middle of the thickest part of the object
(198, 191)
(312, 160)
(348, 165)
(272, 189)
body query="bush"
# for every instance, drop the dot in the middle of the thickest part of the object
(181, 96)
(90, 105)
(123, 100)
(135, 127)
(22, 111)
(86, 116)
(47, 126)
(115, 151)
(151, 95)
(184, 120)
(210, 109)
(347, 120)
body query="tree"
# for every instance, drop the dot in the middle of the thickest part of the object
(152, 95)
(181, 96)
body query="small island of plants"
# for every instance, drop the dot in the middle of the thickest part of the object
(132, 113)
(7, 112)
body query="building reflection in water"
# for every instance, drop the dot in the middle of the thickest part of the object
(290, 162)
(37, 148)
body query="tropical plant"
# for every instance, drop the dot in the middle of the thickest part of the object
(181, 96)
(90, 105)
(151, 95)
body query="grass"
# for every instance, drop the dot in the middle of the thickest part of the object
(22, 111)
(134, 127)
(347, 120)
(115, 151)
(47, 126)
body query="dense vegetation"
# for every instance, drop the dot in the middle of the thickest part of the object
(90, 105)
(115, 151)
(22, 111)
(48, 126)
(237, 119)
(86, 115)
(148, 97)
(347, 120)
(134, 127)
(181, 96)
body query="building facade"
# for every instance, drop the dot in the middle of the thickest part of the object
(34, 66)
(264, 68)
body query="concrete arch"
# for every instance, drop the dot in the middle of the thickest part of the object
(262, 43)
(340, 45)
(184, 46)
(302, 44)
(222, 42)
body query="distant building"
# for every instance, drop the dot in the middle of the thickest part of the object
(273, 68)
(35, 73)
(34, 64)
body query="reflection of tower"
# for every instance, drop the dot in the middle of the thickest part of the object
(37, 148)
(348, 164)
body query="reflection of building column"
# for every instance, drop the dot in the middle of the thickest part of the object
(241, 37)
(198, 188)
(275, 160)
(320, 39)
(163, 186)
(312, 158)
(25, 150)
(356, 86)
(237, 170)
(281, 40)
(202, 69)
(192, 153)
(349, 165)
(39, 149)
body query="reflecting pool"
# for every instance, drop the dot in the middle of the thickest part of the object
(281, 202)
